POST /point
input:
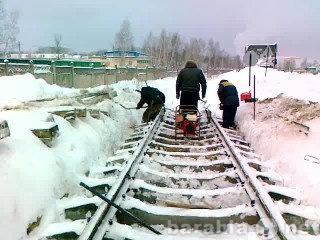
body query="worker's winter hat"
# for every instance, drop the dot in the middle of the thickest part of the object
(223, 80)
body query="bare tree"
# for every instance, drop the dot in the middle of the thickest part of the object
(150, 47)
(170, 49)
(315, 63)
(8, 29)
(175, 51)
(289, 64)
(195, 50)
(213, 52)
(237, 62)
(163, 48)
(57, 44)
(124, 39)
(304, 64)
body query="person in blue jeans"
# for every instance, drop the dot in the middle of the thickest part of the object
(229, 102)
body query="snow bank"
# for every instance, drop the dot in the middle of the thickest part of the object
(26, 87)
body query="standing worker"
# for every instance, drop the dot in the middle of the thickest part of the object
(229, 102)
(155, 100)
(188, 83)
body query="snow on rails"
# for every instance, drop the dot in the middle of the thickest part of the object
(164, 185)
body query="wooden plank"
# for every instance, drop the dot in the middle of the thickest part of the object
(81, 112)
(46, 134)
(95, 113)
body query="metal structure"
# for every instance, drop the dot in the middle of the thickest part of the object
(267, 53)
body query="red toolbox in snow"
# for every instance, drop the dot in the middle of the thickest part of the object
(245, 96)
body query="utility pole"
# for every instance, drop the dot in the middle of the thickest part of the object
(19, 48)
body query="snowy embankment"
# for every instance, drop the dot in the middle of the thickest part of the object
(14, 89)
(274, 133)
(33, 176)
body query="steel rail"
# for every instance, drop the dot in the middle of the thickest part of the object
(256, 191)
(270, 216)
(124, 177)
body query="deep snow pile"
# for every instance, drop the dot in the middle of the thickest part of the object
(24, 87)
(280, 134)
(33, 176)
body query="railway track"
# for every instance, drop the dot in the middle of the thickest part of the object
(160, 188)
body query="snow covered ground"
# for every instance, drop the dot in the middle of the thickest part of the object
(33, 176)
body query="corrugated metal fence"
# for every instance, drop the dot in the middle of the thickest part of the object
(79, 74)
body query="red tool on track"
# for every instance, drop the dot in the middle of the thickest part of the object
(187, 121)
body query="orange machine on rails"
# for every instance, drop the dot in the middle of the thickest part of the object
(187, 121)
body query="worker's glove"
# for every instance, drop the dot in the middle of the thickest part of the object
(177, 96)
(221, 106)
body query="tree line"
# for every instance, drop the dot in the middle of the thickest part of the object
(290, 64)
(8, 30)
(171, 50)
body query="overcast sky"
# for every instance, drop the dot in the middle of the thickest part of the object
(91, 25)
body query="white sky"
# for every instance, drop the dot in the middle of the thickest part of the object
(87, 26)
(33, 177)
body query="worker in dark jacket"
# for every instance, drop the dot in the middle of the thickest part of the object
(155, 99)
(229, 102)
(188, 83)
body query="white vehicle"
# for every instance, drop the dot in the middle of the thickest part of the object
(4, 129)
